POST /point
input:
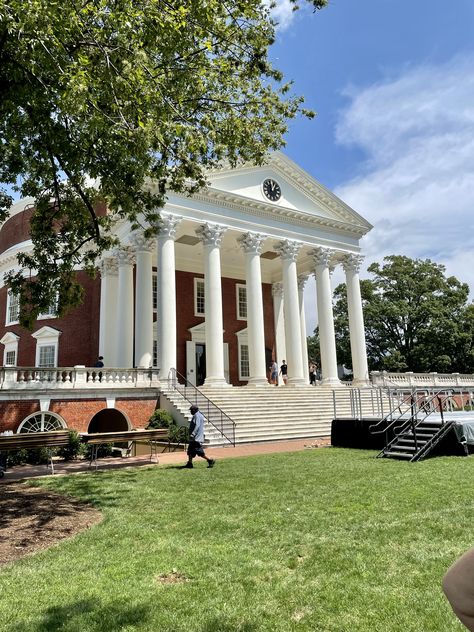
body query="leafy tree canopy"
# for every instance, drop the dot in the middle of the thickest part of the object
(102, 98)
(416, 318)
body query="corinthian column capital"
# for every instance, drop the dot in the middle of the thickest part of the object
(302, 278)
(168, 224)
(251, 243)
(322, 256)
(125, 256)
(141, 243)
(287, 249)
(352, 263)
(108, 267)
(211, 234)
(277, 289)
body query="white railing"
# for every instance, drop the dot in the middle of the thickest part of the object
(19, 378)
(410, 379)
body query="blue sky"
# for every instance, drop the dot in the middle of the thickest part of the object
(393, 85)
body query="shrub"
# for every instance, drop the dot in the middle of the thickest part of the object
(162, 419)
(74, 449)
(104, 450)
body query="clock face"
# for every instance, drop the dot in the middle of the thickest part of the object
(271, 189)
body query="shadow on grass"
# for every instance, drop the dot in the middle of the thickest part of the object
(87, 615)
(96, 489)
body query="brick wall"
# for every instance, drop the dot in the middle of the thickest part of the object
(186, 319)
(77, 413)
(79, 339)
(15, 230)
(12, 413)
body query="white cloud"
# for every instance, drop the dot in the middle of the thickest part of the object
(417, 183)
(282, 13)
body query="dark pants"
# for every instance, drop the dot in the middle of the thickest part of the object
(195, 449)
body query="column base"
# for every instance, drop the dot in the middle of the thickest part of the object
(362, 384)
(297, 381)
(258, 381)
(216, 381)
(331, 382)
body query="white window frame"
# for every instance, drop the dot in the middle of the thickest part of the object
(52, 311)
(154, 359)
(41, 421)
(10, 295)
(46, 337)
(239, 286)
(242, 340)
(154, 290)
(10, 340)
(199, 280)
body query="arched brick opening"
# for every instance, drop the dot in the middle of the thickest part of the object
(109, 420)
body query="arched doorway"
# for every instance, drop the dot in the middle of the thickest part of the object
(109, 420)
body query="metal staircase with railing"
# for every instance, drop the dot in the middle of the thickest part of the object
(414, 435)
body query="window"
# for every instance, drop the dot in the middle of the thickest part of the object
(47, 344)
(51, 312)
(199, 297)
(42, 422)
(47, 356)
(244, 366)
(10, 358)
(10, 352)
(241, 302)
(13, 308)
(154, 285)
(155, 354)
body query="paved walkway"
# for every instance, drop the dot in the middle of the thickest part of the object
(20, 472)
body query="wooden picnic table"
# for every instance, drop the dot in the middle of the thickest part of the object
(61, 438)
(152, 437)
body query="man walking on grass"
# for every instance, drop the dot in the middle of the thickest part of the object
(196, 438)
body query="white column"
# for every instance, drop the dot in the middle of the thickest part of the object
(124, 340)
(211, 237)
(279, 323)
(351, 265)
(302, 278)
(108, 311)
(251, 244)
(327, 339)
(143, 300)
(166, 298)
(288, 251)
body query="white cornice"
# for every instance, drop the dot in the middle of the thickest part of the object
(240, 203)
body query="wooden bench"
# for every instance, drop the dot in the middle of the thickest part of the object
(152, 437)
(60, 438)
(35, 440)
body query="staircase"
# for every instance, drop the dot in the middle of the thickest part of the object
(415, 441)
(272, 413)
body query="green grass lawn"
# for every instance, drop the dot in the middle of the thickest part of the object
(325, 540)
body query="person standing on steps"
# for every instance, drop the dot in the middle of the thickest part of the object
(312, 374)
(196, 438)
(274, 373)
(284, 371)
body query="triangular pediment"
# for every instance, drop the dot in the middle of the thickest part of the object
(46, 332)
(300, 192)
(9, 337)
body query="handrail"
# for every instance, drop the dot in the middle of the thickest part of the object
(389, 415)
(413, 420)
(227, 425)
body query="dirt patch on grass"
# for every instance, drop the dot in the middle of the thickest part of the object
(32, 519)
